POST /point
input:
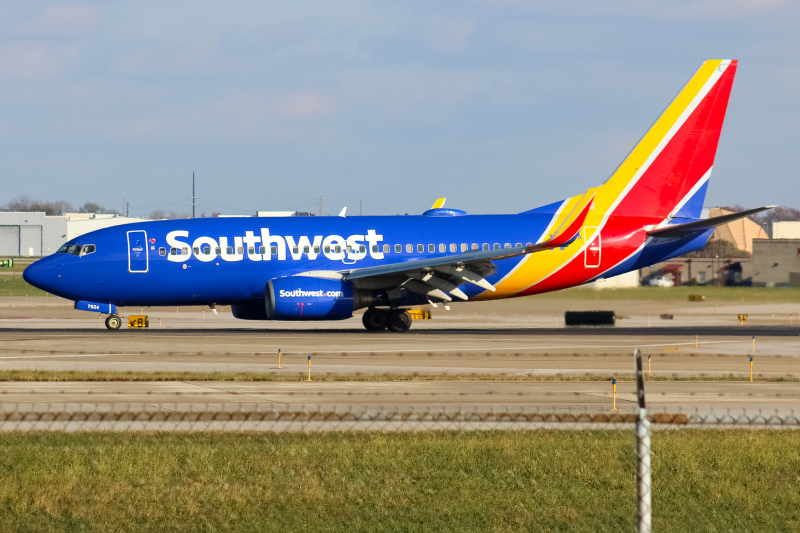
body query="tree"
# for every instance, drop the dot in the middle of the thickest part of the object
(27, 204)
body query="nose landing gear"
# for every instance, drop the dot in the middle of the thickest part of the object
(113, 321)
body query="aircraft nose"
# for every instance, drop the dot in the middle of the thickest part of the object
(38, 274)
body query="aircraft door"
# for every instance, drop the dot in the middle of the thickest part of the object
(591, 254)
(137, 251)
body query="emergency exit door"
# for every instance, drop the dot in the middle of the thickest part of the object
(591, 254)
(137, 251)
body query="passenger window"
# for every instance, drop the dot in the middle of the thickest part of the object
(442, 248)
(464, 247)
(207, 250)
(386, 248)
(374, 248)
(431, 248)
(398, 248)
(507, 245)
(338, 249)
(295, 250)
(196, 250)
(162, 251)
(251, 250)
(519, 244)
(218, 250)
(327, 249)
(362, 249)
(241, 250)
(306, 249)
(497, 246)
(453, 247)
(316, 249)
(409, 248)
(475, 246)
(273, 250)
(229, 250)
(485, 247)
(420, 248)
(262, 250)
(173, 251)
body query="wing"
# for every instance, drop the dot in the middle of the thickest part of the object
(438, 278)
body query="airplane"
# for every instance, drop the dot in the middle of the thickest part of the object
(326, 267)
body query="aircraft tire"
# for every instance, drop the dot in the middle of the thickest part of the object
(113, 321)
(375, 319)
(399, 321)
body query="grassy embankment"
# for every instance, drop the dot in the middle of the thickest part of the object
(12, 284)
(31, 375)
(704, 480)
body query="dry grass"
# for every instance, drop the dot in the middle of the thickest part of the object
(109, 375)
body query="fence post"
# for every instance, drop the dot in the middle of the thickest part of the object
(643, 484)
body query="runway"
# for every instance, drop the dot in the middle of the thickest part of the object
(679, 351)
(487, 364)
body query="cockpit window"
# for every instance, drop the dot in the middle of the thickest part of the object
(77, 249)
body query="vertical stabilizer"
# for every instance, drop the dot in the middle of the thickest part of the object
(666, 174)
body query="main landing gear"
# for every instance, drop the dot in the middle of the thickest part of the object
(396, 320)
(113, 321)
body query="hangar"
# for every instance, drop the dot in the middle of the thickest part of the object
(35, 234)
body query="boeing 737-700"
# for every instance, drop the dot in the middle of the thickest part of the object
(325, 268)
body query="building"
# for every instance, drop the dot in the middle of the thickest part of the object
(34, 234)
(776, 262)
(786, 230)
(726, 271)
(739, 232)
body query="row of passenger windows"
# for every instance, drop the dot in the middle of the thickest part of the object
(398, 249)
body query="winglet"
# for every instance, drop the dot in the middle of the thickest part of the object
(566, 236)
(438, 204)
(343, 211)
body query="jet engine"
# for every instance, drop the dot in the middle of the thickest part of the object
(310, 298)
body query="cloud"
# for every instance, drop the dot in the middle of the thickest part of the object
(33, 61)
(69, 17)
(304, 104)
(448, 34)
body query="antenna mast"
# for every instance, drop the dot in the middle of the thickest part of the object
(194, 198)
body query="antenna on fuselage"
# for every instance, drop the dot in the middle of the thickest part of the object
(194, 198)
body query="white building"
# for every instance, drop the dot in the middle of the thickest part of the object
(34, 234)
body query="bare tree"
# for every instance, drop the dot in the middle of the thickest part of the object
(27, 204)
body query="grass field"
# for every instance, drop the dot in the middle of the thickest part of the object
(14, 285)
(681, 294)
(704, 480)
(111, 375)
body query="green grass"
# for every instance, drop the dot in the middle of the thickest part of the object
(681, 294)
(33, 375)
(14, 285)
(547, 480)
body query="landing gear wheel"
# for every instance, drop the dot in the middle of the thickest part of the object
(375, 319)
(113, 321)
(399, 321)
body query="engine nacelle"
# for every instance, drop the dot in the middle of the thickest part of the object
(307, 298)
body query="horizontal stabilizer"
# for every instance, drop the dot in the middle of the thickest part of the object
(679, 230)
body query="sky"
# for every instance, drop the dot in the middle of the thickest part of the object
(500, 106)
